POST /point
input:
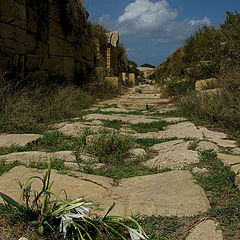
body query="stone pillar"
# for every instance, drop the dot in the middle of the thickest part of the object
(98, 49)
(132, 79)
(108, 60)
(124, 77)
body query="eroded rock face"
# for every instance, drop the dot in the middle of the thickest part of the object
(167, 194)
(6, 140)
(206, 230)
(173, 154)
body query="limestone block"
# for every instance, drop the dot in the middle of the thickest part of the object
(32, 24)
(19, 15)
(68, 67)
(124, 77)
(60, 47)
(206, 84)
(54, 12)
(113, 38)
(113, 80)
(210, 92)
(4, 61)
(6, 11)
(132, 78)
(55, 29)
(56, 65)
(32, 62)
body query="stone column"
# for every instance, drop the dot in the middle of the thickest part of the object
(108, 60)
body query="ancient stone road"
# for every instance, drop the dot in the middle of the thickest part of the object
(172, 193)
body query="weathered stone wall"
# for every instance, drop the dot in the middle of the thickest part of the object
(33, 40)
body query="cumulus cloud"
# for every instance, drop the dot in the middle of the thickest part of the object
(158, 21)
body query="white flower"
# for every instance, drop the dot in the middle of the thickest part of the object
(135, 235)
(66, 221)
(85, 210)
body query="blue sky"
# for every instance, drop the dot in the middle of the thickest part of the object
(152, 29)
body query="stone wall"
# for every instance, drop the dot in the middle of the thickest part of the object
(34, 42)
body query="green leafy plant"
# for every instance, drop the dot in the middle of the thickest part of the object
(75, 217)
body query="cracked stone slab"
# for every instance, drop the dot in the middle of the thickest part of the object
(35, 156)
(6, 140)
(218, 137)
(173, 154)
(206, 230)
(168, 194)
(134, 119)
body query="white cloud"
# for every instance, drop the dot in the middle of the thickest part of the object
(145, 19)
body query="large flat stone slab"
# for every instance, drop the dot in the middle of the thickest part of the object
(6, 140)
(35, 156)
(206, 230)
(134, 119)
(167, 194)
(173, 154)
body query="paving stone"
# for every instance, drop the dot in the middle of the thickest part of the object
(206, 230)
(134, 119)
(6, 140)
(35, 156)
(228, 159)
(205, 145)
(172, 193)
(236, 151)
(236, 168)
(173, 154)
(117, 110)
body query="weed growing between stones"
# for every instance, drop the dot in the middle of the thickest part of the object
(110, 147)
(222, 194)
(150, 127)
(116, 124)
(74, 216)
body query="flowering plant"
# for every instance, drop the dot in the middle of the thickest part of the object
(75, 217)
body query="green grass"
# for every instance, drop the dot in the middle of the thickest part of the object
(149, 127)
(109, 147)
(116, 124)
(125, 169)
(222, 193)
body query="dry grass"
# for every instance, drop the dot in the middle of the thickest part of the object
(32, 108)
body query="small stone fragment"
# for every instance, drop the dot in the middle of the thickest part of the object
(200, 171)
(236, 168)
(236, 151)
(138, 152)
